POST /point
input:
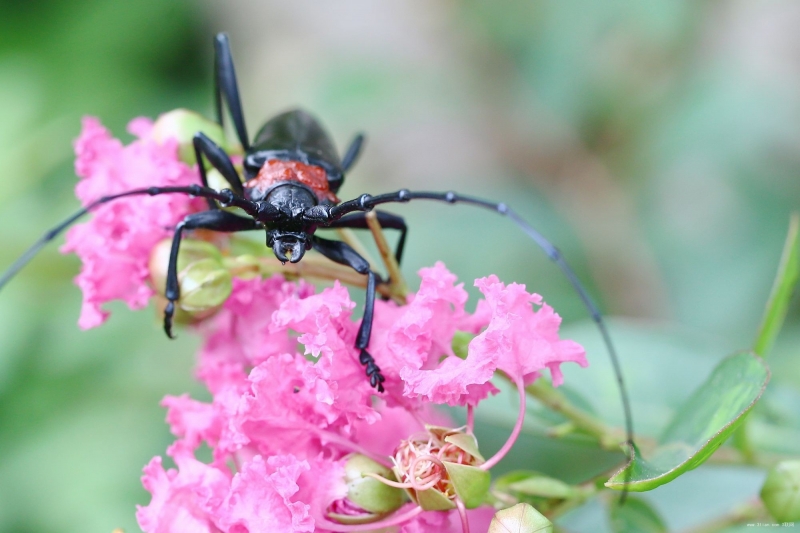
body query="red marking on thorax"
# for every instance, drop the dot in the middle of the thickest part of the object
(276, 171)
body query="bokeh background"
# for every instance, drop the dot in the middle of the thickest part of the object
(656, 142)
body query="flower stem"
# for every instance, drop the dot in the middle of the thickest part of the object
(397, 285)
(514, 433)
(608, 437)
(462, 512)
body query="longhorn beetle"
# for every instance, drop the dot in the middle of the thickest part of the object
(292, 208)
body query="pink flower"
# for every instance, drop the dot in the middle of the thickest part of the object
(239, 336)
(207, 499)
(285, 416)
(517, 340)
(290, 402)
(114, 246)
(521, 340)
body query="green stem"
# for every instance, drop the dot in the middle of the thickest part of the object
(772, 321)
(608, 437)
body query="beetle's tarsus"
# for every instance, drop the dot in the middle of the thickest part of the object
(169, 310)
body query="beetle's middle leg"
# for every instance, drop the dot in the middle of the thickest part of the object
(386, 220)
(215, 220)
(342, 253)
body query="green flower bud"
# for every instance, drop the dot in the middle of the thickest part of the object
(191, 250)
(781, 491)
(368, 499)
(205, 284)
(204, 281)
(182, 125)
(521, 518)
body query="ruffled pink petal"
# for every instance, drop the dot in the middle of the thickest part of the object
(186, 499)
(115, 244)
(260, 498)
(239, 336)
(408, 341)
(523, 340)
(194, 421)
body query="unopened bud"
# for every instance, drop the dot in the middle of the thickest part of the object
(521, 518)
(205, 284)
(182, 125)
(368, 499)
(191, 250)
(781, 491)
(204, 281)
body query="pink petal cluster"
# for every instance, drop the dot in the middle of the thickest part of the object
(114, 246)
(290, 400)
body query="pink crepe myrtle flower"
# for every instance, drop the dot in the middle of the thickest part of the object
(290, 401)
(115, 244)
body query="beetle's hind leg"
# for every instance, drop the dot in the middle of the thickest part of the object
(215, 220)
(386, 220)
(382, 220)
(353, 151)
(227, 88)
(342, 253)
(203, 146)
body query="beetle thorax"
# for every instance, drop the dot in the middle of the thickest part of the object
(275, 172)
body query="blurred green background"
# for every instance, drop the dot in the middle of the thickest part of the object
(656, 142)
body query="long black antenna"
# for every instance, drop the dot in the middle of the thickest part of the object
(225, 197)
(366, 202)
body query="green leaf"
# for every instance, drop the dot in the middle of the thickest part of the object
(635, 516)
(701, 425)
(521, 518)
(782, 289)
(545, 487)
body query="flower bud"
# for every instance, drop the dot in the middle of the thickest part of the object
(182, 125)
(368, 499)
(205, 284)
(204, 281)
(521, 518)
(781, 491)
(440, 466)
(191, 250)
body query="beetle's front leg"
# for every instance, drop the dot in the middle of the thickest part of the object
(342, 253)
(215, 220)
